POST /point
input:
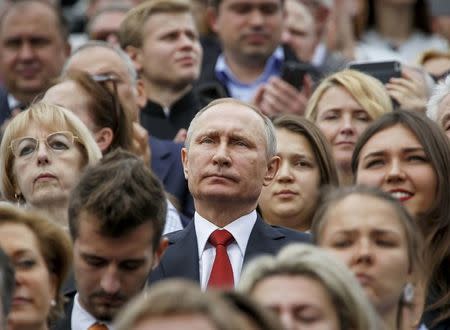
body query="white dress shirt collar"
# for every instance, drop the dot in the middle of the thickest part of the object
(81, 319)
(239, 228)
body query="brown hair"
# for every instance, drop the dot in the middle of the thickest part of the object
(131, 28)
(435, 223)
(123, 193)
(54, 245)
(104, 108)
(318, 142)
(179, 297)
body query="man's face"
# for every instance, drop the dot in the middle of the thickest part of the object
(110, 271)
(101, 60)
(226, 160)
(300, 30)
(249, 30)
(105, 26)
(171, 53)
(32, 50)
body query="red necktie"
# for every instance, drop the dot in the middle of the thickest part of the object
(221, 272)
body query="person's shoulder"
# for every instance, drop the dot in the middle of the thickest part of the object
(294, 235)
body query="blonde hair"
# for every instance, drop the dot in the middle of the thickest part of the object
(350, 302)
(366, 90)
(131, 29)
(177, 297)
(53, 118)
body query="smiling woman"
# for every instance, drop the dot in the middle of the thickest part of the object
(408, 155)
(43, 152)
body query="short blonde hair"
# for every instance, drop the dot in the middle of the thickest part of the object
(131, 28)
(366, 90)
(54, 245)
(350, 302)
(180, 297)
(51, 117)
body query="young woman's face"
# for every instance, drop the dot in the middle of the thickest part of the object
(368, 236)
(291, 198)
(342, 119)
(395, 161)
(35, 287)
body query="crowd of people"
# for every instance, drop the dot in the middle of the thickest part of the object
(223, 164)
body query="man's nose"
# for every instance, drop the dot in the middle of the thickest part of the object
(110, 281)
(26, 51)
(221, 155)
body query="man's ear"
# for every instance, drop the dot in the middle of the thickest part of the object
(104, 138)
(163, 244)
(141, 95)
(272, 170)
(136, 56)
(184, 159)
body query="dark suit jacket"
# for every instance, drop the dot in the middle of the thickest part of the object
(64, 323)
(166, 164)
(181, 257)
(5, 112)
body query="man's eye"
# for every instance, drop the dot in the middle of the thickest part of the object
(131, 265)
(95, 262)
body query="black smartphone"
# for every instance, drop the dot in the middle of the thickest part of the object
(383, 71)
(294, 73)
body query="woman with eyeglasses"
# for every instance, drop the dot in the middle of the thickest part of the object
(94, 99)
(43, 152)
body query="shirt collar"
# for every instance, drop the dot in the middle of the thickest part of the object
(240, 228)
(273, 65)
(81, 319)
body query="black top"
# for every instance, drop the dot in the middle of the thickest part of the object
(181, 113)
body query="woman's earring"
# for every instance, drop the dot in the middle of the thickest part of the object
(408, 293)
(53, 303)
(18, 198)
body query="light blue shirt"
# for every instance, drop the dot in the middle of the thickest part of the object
(242, 91)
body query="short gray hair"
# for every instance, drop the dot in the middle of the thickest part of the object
(269, 129)
(349, 299)
(102, 44)
(440, 91)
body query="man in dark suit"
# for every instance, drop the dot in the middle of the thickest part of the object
(230, 154)
(116, 217)
(33, 48)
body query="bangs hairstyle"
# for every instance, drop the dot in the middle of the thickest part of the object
(300, 260)
(54, 245)
(435, 223)
(318, 142)
(131, 32)
(45, 116)
(368, 91)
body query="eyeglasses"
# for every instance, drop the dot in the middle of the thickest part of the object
(104, 79)
(57, 142)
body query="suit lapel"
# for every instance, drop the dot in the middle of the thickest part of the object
(182, 259)
(262, 240)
